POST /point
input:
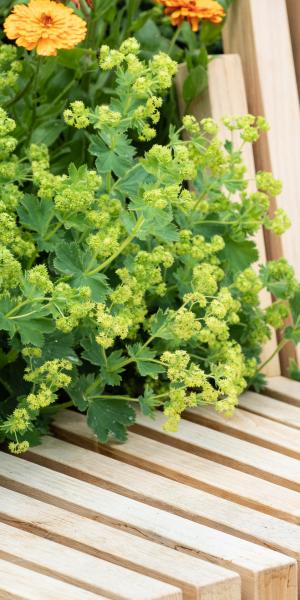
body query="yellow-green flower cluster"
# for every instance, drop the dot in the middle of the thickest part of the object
(10, 67)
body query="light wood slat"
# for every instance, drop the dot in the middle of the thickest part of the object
(79, 569)
(196, 577)
(223, 448)
(249, 425)
(253, 29)
(276, 410)
(193, 470)
(293, 8)
(17, 583)
(250, 561)
(287, 390)
(226, 95)
(162, 493)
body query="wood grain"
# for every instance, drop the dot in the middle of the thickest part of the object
(293, 8)
(276, 410)
(250, 561)
(249, 425)
(286, 390)
(187, 468)
(86, 572)
(253, 30)
(224, 449)
(226, 95)
(17, 583)
(194, 576)
(161, 493)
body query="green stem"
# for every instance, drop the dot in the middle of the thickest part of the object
(126, 398)
(20, 94)
(278, 348)
(122, 247)
(174, 39)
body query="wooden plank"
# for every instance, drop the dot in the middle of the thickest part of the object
(162, 493)
(72, 566)
(287, 390)
(194, 576)
(226, 95)
(253, 30)
(187, 468)
(276, 410)
(224, 449)
(17, 583)
(293, 8)
(249, 425)
(249, 560)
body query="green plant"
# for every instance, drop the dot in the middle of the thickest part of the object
(121, 285)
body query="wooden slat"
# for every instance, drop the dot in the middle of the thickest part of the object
(226, 95)
(79, 569)
(250, 561)
(293, 8)
(17, 583)
(224, 449)
(284, 389)
(196, 577)
(162, 493)
(249, 425)
(194, 470)
(276, 410)
(253, 30)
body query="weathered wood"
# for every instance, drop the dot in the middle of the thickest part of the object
(226, 95)
(159, 492)
(193, 470)
(293, 8)
(253, 30)
(194, 576)
(75, 567)
(17, 583)
(250, 561)
(223, 448)
(249, 425)
(286, 390)
(276, 410)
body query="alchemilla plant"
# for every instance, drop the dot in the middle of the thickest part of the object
(129, 281)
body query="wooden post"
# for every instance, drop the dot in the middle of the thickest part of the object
(226, 95)
(259, 31)
(293, 8)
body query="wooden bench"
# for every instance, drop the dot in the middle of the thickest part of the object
(211, 512)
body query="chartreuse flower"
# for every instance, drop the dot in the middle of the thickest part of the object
(131, 280)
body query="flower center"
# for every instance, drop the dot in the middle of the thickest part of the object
(46, 20)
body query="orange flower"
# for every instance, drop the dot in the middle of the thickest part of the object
(46, 26)
(193, 11)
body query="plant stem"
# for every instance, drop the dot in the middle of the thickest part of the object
(122, 247)
(174, 39)
(279, 347)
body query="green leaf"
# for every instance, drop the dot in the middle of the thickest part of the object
(36, 214)
(32, 329)
(148, 402)
(295, 305)
(238, 256)
(143, 358)
(112, 369)
(107, 417)
(294, 371)
(47, 133)
(292, 333)
(159, 325)
(83, 389)
(76, 263)
(114, 153)
(92, 352)
(195, 83)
